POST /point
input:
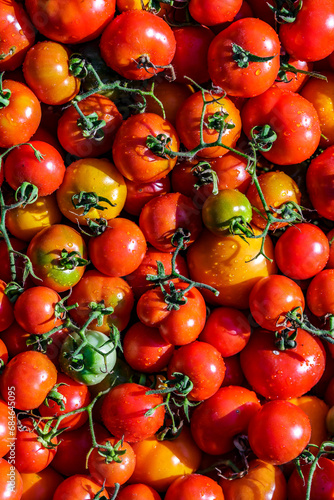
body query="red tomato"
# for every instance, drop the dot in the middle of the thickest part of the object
(119, 250)
(137, 44)
(7, 424)
(29, 375)
(319, 295)
(233, 372)
(232, 69)
(10, 481)
(80, 487)
(277, 422)
(71, 22)
(218, 420)
(319, 183)
(282, 374)
(139, 193)
(194, 487)
(289, 80)
(322, 482)
(213, 12)
(138, 491)
(293, 119)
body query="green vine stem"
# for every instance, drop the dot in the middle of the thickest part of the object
(327, 447)
(297, 319)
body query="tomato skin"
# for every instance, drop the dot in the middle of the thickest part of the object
(8, 427)
(10, 489)
(194, 487)
(319, 295)
(188, 121)
(92, 175)
(298, 37)
(123, 412)
(41, 485)
(322, 482)
(71, 22)
(119, 250)
(133, 34)
(316, 409)
(213, 12)
(226, 263)
(138, 491)
(162, 216)
(70, 134)
(282, 374)
(31, 375)
(319, 183)
(46, 71)
(215, 422)
(21, 118)
(133, 158)
(258, 38)
(291, 116)
(302, 251)
(263, 481)
(80, 487)
(139, 193)
(44, 251)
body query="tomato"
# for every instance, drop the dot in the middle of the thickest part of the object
(176, 326)
(139, 193)
(162, 216)
(112, 291)
(314, 17)
(278, 188)
(25, 222)
(171, 95)
(41, 485)
(232, 69)
(46, 71)
(136, 491)
(191, 56)
(213, 12)
(73, 396)
(108, 472)
(35, 310)
(219, 210)
(322, 482)
(168, 460)
(15, 339)
(231, 265)
(20, 118)
(50, 252)
(6, 308)
(145, 350)
(137, 44)
(131, 154)
(10, 481)
(319, 295)
(77, 139)
(218, 420)
(101, 181)
(282, 374)
(290, 80)
(80, 487)
(319, 183)
(17, 35)
(188, 121)
(316, 410)
(233, 372)
(91, 365)
(302, 251)
(194, 487)
(293, 119)
(227, 329)
(71, 22)
(271, 298)
(28, 377)
(119, 250)
(46, 173)
(263, 481)
(7, 426)
(124, 412)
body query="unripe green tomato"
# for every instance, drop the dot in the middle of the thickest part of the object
(220, 209)
(91, 367)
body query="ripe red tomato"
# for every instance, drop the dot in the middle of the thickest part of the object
(80, 487)
(135, 38)
(213, 12)
(322, 482)
(319, 183)
(138, 490)
(194, 487)
(319, 295)
(232, 69)
(10, 481)
(8, 427)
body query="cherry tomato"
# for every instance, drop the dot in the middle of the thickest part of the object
(10, 481)
(319, 185)
(8, 427)
(322, 482)
(291, 80)
(213, 12)
(319, 295)
(138, 490)
(316, 410)
(80, 487)
(194, 487)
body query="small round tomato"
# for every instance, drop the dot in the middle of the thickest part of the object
(194, 487)
(80, 487)
(168, 459)
(137, 44)
(219, 114)
(138, 490)
(28, 376)
(82, 139)
(10, 481)
(221, 209)
(275, 423)
(7, 425)
(291, 117)
(92, 188)
(129, 412)
(131, 154)
(46, 71)
(119, 250)
(231, 66)
(319, 183)
(319, 295)
(58, 256)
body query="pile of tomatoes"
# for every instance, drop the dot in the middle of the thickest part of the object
(166, 249)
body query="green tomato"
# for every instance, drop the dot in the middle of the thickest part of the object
(225, 207)
(93, 357)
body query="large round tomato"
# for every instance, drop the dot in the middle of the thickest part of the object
(231, 265)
